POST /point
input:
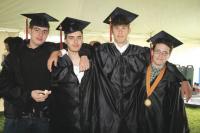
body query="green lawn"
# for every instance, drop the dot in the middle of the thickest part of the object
(192, 113)
(1, 122)
(194, 119)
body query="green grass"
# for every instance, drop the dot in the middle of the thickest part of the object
(192, 113)
(194, 119)
(1, 122)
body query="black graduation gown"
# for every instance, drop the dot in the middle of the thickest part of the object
(71, 108)
(167, 112)
(120, 78)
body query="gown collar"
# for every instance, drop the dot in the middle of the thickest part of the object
(123, 48)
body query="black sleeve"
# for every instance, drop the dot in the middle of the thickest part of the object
(9, 89)
(52, 46)
(177, 117)
(147, 55)
(60, 71)
(86, 50)
(177, 73)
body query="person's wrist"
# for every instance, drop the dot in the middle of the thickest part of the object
(62, 52)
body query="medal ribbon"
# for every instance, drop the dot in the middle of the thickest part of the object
(150, 88)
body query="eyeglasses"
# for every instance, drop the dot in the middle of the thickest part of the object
(163, 53)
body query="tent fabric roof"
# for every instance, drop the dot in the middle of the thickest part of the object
(178, 17)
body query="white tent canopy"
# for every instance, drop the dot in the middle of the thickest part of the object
(180, 18)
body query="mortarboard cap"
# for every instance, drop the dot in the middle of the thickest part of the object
(70, 25)
(38, 15)
(164, 37)
(39, 19)
(120, 16)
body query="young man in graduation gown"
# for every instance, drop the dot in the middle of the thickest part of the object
(121, 70)
(162, 106)
(73, 91)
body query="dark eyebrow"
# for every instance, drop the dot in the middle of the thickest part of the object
(74, 36)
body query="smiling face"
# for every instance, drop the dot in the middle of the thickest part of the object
(74, 41)
(120, 33)
(161, 54)
(38, 35)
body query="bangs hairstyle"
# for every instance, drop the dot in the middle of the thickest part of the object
(66, 33)
(39, 21)
(165, 41)
(120, 19)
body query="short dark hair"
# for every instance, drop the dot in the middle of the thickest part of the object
(39, 21)
(7, 40)
(120, 19)
(71, 32)
(165, 41)
(14, 43)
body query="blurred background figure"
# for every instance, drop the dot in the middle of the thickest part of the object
(94, 43)
(12, 46)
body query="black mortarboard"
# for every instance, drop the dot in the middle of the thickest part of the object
(164, 37)
(120, 16)
(39, 19)
(70, 25)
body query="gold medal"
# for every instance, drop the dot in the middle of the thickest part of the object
(147, 102)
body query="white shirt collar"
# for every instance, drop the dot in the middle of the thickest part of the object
(123, 48)
(78, 74)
